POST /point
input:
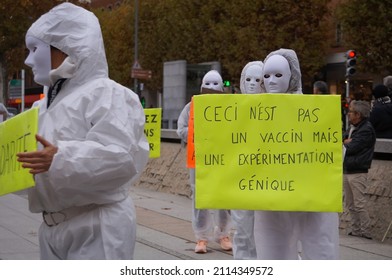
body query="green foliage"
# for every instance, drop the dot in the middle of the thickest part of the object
(16, 16)
(366, 28)
(233, 32)
(118, 30)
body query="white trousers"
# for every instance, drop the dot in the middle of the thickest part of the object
(244, 247)
(278, 235)
(107, 232)
(208, 224)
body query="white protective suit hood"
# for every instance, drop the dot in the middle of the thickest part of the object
(253, 83)
(76, 32)
(295, 85)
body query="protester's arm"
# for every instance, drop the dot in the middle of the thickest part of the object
(182, 123)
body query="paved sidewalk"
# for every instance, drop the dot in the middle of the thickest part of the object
(164, 231)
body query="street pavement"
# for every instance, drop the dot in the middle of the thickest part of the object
(164, 231)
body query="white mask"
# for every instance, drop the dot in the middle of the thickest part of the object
(212, 80)
(39, 60)
(253, 78)
(277, 74)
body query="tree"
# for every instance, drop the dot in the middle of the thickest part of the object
(117, 31)
(170, 30)
(269, 25)
(366, 28)
(16, 16)
(235, 32)
(232, 32)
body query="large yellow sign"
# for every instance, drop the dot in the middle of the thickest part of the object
(17, 135)
(280, 152)
(152, 130)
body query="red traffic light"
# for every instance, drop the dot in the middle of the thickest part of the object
(351, 61)
(351, 54)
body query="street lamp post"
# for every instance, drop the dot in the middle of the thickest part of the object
(347, 97)
(136, 41)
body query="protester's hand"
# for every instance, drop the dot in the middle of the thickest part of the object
(38, 161)
(346, 141)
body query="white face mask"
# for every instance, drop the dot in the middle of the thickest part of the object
(253, 78)
(277, 74)
(212, 80)
(39, 60)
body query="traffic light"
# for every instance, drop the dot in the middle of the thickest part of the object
(351, 62)
(143, 101)
(226, 83)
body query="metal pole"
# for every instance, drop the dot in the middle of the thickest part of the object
(23, 90)
(385, 235)
(347, 97)
(136, 39)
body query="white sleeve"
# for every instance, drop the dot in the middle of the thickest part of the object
(182, 123)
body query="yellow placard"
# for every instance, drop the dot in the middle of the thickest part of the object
(152, 130)
(279, 152)
(17, 135)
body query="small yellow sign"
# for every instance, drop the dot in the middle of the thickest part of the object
(17, 135)
(278, 152)
(152, 130)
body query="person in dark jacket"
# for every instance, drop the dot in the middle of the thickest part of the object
(381, 114)
(359, 141)
(388, 83)
(320, 87)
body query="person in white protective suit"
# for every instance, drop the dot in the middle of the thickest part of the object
(251, 77)
(91, 142)
(279, 234)
(203, 219)
(244, 247)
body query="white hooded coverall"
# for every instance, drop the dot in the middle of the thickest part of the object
(244, 247)
(279, 234)
(203, 219)
(97, 125)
